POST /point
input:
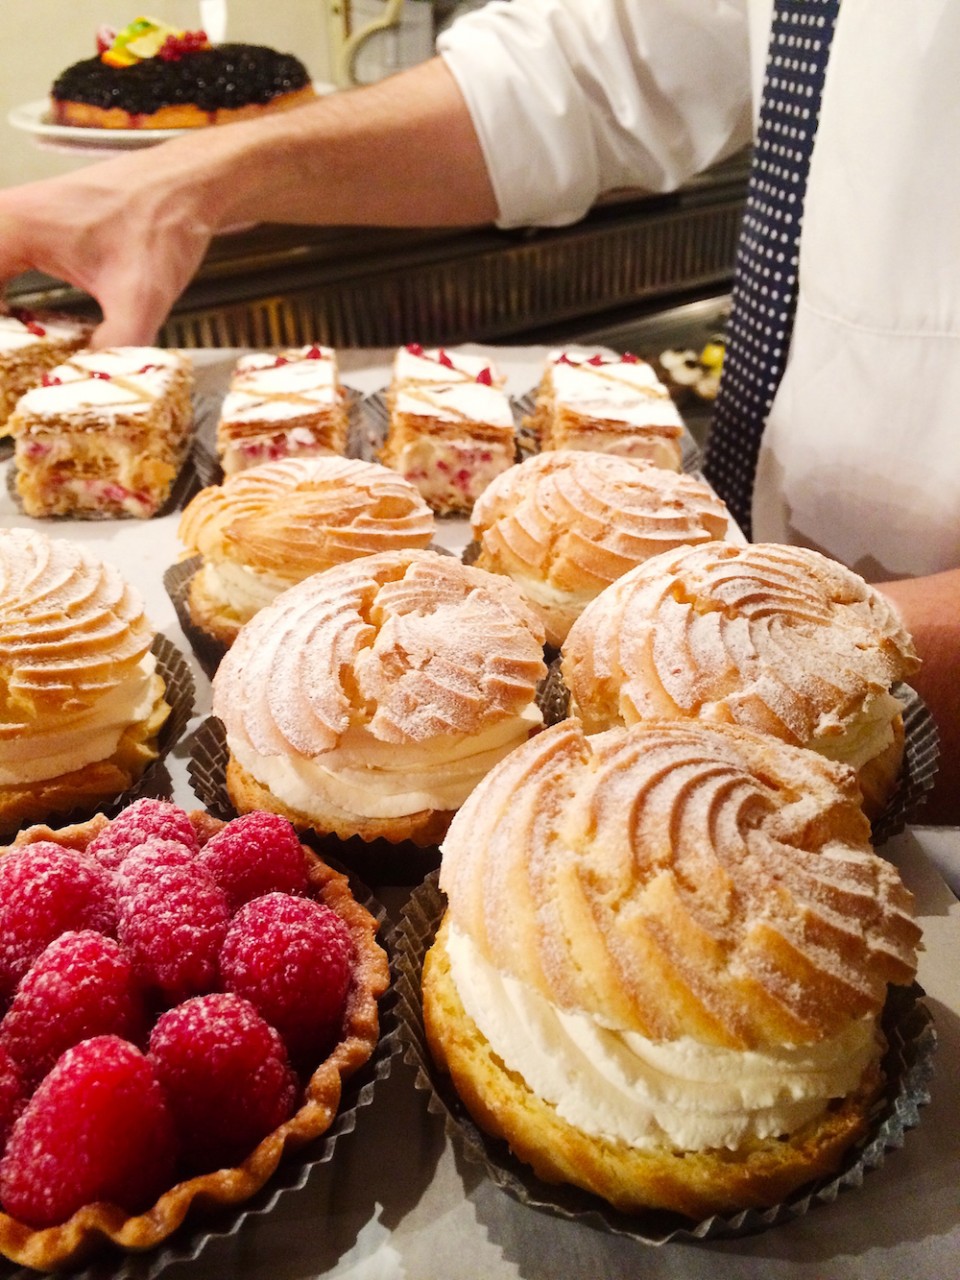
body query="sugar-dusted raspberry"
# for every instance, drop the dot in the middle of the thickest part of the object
(171, 919)
(140, 821)
(80, 986)
(97, 1128)
(226, 1076)
(14, 1093)
(46, 890)
(292, 959)
(255, 854)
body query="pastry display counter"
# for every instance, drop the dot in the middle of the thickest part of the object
(399, 1201)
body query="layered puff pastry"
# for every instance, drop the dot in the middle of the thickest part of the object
(370, 699)
(563, 525)
(268, 527)
(81, 701)
(31, 344)
(778, 638)
(450, 426)
(282, 404)
(607, 403)
(105, 433)
(663, 961)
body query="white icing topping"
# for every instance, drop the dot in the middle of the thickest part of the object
(14, 333)
(127, 380)
(457, 402)
(456, 366)
(263, 388)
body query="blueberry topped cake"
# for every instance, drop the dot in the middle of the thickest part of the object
(153, 76)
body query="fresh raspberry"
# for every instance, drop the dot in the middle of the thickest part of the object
(255, 854)
(171, 919)
(14, 1093)
(80, 986)
(141, 821)
(97, 1128)
(226, 1076)
(44, 891)
(292, 959)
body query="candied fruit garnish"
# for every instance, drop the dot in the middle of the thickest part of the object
(226, 1076)
(415, 348)
(255, 854)
(485, 376)
(80, 986)
(14, 1093)
(138, 822)
(444, 359)
(97, 1128)
(292, 958)
(46, 890)
(171, 919)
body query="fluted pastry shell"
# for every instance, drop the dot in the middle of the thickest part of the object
(398, 652)
(566, 523)
(285, 520)
(73, 637)
(681, 879)
(93, 1226)
(779, 638)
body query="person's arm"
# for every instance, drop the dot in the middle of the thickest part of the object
(533, 110)
(132, 231)
(930, 608)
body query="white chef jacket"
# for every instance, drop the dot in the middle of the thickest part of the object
(571, 98)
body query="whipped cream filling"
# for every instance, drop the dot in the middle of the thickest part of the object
(869, 734)
(238, 588)
(680, 1094)
(541, 593)
(374, 779)
(453, 467)
(73, 739)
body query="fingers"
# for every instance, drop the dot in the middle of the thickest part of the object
(136, 293)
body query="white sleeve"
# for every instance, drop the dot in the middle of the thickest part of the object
(573, 98)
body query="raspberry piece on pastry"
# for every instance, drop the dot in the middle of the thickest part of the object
(140, 821)
(226, 1076)
(171, 918)
(292, 958)
(96, 1129)
(255, 854)
(45, 890)
(80, 986)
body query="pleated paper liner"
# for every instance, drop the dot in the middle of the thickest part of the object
(917, 773)
(907, 1023)
(377, 861)
(206, 460)
(177, 579)
(203, 1224)
(154, 781)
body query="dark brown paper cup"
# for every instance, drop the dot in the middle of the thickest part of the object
(907, 1024)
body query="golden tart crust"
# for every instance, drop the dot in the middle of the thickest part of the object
(71, 1242)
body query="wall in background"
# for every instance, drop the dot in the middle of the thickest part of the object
(41, 37)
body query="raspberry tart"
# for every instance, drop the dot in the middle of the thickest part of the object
(180, 1013)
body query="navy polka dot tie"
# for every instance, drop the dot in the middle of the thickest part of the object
(765, 280)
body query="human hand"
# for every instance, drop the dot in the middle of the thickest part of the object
(129, 231)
